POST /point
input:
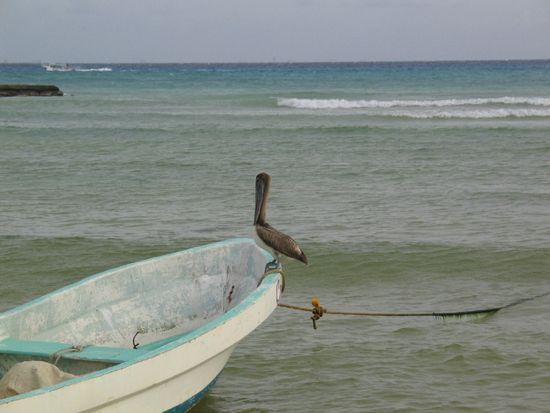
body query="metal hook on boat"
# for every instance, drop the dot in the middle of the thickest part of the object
(136, 345)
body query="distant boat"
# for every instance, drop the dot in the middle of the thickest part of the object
(187, 309)
(57, 67)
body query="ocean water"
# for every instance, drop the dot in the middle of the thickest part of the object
(410, 186)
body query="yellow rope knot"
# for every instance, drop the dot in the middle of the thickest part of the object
(317, 311)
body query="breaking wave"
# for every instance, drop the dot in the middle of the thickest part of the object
(98, 69)
(373, 104)
(472, 114)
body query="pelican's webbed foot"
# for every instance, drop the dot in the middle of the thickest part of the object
(272, 265)
(270, 268)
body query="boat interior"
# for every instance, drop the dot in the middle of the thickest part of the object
(121, 314)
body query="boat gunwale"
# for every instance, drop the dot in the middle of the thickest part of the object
(247, 302)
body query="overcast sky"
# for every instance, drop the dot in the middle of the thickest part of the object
(272, 30)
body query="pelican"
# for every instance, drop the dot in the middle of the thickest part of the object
(268, 237)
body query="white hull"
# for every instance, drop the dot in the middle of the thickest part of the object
(162, 379)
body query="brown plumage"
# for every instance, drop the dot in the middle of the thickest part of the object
(270, 238)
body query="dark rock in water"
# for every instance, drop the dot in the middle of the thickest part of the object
(29, 90)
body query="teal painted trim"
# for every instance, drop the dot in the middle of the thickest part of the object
(162, 342)
(235, 311)
(31, 348)
(48, 349)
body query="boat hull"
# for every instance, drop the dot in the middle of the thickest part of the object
(190, 403)
(171, 378)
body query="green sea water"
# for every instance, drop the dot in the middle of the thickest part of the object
(410, 186)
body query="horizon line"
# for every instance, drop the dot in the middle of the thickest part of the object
(275, 62)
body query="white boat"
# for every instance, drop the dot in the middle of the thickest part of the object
(57, 67)
(190, 309)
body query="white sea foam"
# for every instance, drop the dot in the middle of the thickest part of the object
(471, 114)
(373, 104)
(98, 69)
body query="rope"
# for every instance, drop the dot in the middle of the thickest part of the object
(275, 271)
(318, 311)
(369, 314)
(59, 353)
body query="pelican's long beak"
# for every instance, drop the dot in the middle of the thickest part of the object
(260, 192)
(263, 182)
